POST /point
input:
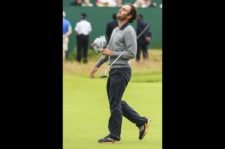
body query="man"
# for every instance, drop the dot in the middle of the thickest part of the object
(83, 29)
(144, 40)
(123, 38)
(67, 31)
(110, 26)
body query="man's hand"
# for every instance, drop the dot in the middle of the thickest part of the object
(107, 52)
(93, 71)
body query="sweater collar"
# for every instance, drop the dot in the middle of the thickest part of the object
(124, 26)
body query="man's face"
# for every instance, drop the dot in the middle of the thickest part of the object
(123, 13)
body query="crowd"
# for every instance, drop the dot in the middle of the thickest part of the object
(116, 3)
(83, 29)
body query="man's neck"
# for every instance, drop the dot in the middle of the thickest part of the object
(121, 23)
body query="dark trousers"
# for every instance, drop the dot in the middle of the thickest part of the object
(142, 47)
(82, 45)
(116, 84)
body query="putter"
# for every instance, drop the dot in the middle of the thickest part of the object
(102, 43)
(103, 76)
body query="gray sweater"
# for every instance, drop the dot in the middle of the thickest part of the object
(123, 38)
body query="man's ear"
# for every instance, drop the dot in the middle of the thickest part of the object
(129, 16)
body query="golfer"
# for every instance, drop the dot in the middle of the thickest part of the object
(123, 38)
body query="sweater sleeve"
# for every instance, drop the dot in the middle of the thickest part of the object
(101, 61)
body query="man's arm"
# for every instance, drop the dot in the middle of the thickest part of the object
(77, 28)
(90, 28)
(101, 61)
(68, 33)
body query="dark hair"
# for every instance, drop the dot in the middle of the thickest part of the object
(133, 12)
(114, 16)
(83, 15)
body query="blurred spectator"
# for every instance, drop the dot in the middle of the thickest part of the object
(154, 4)
(84, 3)
(106, 3)
(87, 3)
(143, 3)
(119, 3)
(83, 29)
(67, 31)
(110, 26)
(144, 40)
(77, 2)
(160, 6)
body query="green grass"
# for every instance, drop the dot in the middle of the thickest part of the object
(86, 113)
(145, 71)
(147, 77)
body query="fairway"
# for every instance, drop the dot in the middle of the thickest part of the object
(86, 113)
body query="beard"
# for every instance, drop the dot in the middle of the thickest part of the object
(121, 18)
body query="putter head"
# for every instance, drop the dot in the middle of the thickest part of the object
(102, 76)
